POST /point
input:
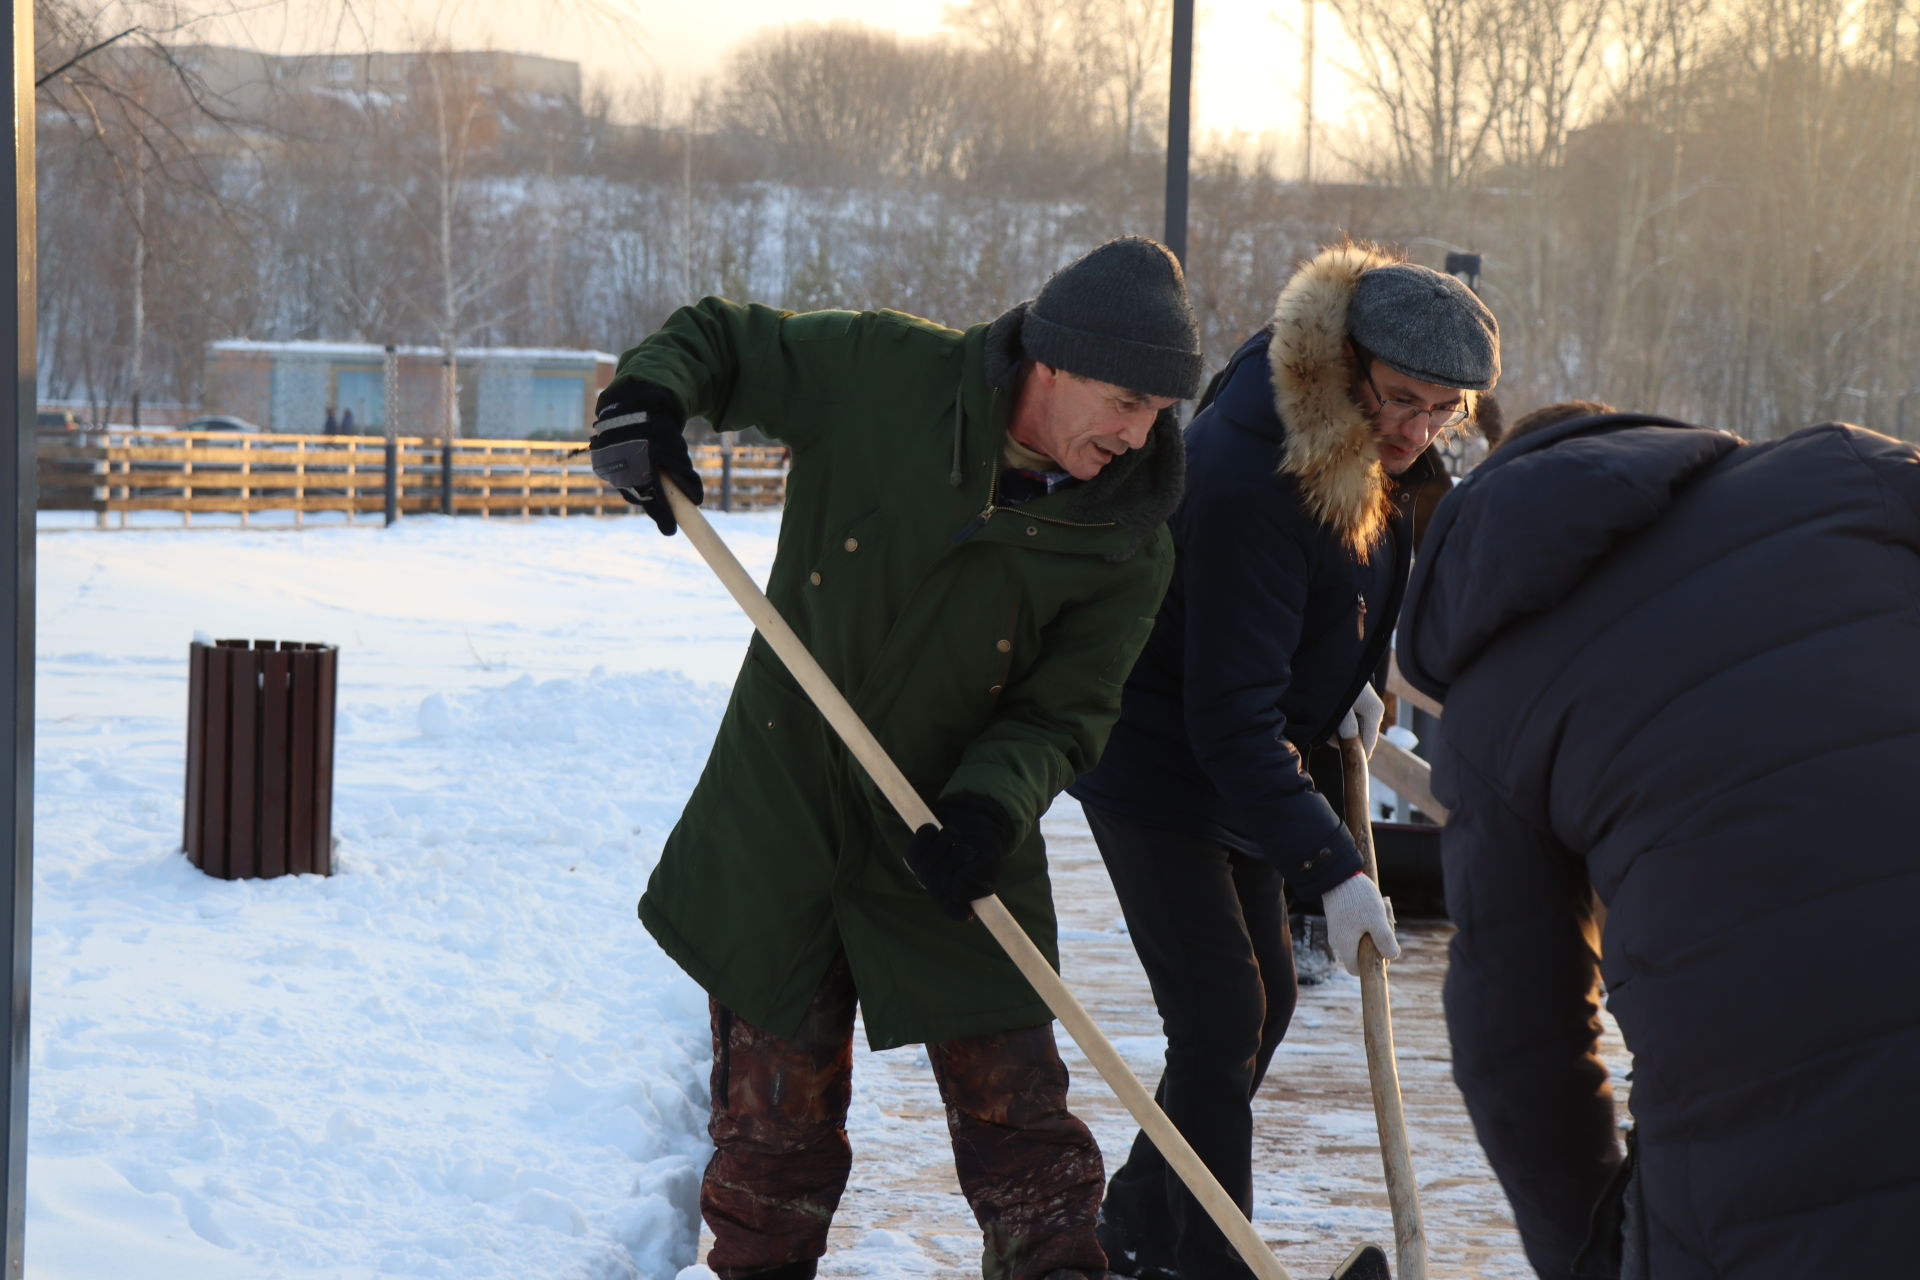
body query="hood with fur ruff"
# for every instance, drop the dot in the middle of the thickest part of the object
(1330, 446)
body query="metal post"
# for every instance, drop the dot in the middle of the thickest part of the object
(450, 410)
(1306, 101)
(1179, 114)
(393, 478)
(390, 415)
(686, 226)
(16, 639)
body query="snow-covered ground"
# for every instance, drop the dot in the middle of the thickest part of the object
(461, 1055)
(458, 1056)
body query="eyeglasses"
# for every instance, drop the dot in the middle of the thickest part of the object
(1399, 411)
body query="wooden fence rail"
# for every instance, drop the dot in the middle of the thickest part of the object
(1410, 777)
(226, 471)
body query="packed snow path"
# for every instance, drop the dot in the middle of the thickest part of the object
(461, 1056)
(1318, 1184)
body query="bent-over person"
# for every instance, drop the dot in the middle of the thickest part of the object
(973, 548)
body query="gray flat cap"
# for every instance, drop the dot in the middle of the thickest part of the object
(1426, 325)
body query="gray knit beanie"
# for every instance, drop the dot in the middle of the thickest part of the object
(1426, 325)
(1119, 314)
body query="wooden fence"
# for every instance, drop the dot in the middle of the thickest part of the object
(1409, 775)
(110, 472)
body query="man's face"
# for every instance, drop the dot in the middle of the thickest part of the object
(1080, 423)
(1406, 413)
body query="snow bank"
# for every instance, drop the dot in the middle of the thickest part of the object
(458, 1056)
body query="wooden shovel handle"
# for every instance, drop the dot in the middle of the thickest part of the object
(1383, 1073)
(1006, 930)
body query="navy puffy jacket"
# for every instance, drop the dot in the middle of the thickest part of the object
(1268, 632)
(1685, 671)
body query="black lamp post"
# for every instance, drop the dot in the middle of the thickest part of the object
(1179, 126)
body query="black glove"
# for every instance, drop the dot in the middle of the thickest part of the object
(959, 860)
(637, 436)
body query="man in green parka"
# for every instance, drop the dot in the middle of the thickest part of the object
(974, 548)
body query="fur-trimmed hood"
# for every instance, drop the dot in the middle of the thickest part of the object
(1330, 445)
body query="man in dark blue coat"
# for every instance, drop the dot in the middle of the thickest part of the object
(1680, 672)
(1293, 546)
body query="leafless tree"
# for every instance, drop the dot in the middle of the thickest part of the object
(1435, 71)
(130, 124)
(845, 102)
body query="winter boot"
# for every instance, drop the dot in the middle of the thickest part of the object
(1123, 1253)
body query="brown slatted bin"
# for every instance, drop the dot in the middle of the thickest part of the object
(260, 758)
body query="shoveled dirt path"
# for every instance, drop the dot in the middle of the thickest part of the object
(1318, 1187)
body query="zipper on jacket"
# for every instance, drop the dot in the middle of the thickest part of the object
(974, 525)
(1361, 634)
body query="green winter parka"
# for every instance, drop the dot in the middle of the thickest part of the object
(985, 647)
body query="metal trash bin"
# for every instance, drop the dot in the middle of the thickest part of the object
(260, 758)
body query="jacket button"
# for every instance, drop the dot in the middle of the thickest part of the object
(995, 689)
(853, 544)
(1004, 646)
(1031, 531)
(814, 578)
(769, 724)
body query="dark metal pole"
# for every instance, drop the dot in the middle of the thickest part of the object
(393, 478)
(1179, 117)
(16, 692)
(449, 411)
(390, 417)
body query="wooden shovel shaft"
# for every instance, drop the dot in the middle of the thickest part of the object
(999, 921)
(1383, 1073)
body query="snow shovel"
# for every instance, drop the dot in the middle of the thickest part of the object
(1409, 1233)
(1365, 1263)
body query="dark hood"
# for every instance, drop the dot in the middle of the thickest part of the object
(1529, 524)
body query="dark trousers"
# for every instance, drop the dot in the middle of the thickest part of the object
(1210, 926)
(1027, 1166)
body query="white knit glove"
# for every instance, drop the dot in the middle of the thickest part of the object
(1354, 907)
(1363, 718)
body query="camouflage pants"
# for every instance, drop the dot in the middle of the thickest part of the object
(1029, 1169)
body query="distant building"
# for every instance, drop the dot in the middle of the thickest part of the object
(504, 392)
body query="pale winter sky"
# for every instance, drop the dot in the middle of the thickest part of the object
(1247, 76)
